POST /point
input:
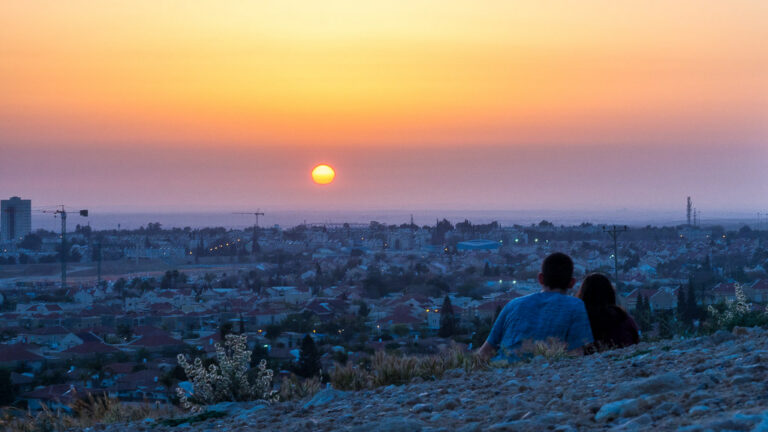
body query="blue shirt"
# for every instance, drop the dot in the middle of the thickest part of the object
(537, 317)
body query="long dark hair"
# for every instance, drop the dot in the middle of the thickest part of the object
(604, 314)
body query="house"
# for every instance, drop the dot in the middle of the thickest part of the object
(664, 299)
(401, 314)
(288, 294)
(758, 291)
(724, 292)
(57, 396)
(13, 356)
(53, 337)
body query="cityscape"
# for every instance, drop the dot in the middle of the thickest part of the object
(403, 216)
(112, 315)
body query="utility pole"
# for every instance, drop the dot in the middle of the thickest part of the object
(98, 265)
(61, 211)
(255, 248)
(614, 231)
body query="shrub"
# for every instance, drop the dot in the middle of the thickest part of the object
(350, 377)
(737, 312)
(292, 387)
(389, 368)
(226, 379)
(83, 413)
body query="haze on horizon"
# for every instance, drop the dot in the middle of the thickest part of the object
(186, 106)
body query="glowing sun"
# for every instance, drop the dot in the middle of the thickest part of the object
(323, 174)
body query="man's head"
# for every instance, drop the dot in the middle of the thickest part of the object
(557, 272)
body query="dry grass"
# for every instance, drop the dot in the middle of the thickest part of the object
(86, 412)
(292, 388)
(350, 377)
(551, 349)
(387, 369)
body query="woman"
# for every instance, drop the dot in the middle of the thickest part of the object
(612, 327)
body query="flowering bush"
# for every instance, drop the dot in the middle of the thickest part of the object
(226, 379)
(737, 312)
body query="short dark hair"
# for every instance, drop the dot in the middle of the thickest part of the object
(557, 271)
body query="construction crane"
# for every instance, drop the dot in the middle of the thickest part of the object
(61, 211)
(255, 248)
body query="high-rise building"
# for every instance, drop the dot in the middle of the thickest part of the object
(15, 219)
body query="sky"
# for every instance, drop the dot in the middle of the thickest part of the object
(149, 105)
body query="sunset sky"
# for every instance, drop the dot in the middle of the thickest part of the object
(217, 105)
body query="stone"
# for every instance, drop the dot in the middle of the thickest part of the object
(422, 407)
(510, 426)
(392, 425)
(721, 336)
(652, 385)
(448, 403)
(698, 410)
(324, 397)
(635, 424)
(621, 408)
(741, 379)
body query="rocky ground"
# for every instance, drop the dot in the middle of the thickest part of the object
(709, 383)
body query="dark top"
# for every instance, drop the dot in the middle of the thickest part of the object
(612, 327)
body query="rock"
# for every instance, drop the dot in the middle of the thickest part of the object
(635, 424)
(454, 373)
(469, 427)
(740, 331)
(392, 425)
(652, 385)
(721, 336)
(741, 379)
(621, 408)
(324, 397)
(422, 407)
(447, 404)
(510, 426)
(698, 410)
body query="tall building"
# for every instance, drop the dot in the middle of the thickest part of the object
(15, 219)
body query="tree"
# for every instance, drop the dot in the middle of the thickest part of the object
(364, 310)
(682, 305)
(309, 358)
(124, 331)
(447, 319)
(31, 242)
(259, 352)
(7, 393)
(224, 330)
(692, 308)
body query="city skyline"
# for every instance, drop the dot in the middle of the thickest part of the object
(426, 105)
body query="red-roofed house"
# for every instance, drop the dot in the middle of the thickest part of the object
(13, 356)
(758, 291)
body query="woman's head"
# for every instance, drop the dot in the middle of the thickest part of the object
(596, 290)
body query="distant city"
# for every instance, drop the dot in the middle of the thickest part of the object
(110, 310)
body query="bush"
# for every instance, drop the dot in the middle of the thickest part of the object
(226, 379)
(737, 312)
(389, 368)
(292, 387)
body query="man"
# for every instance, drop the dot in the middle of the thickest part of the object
(538, 317)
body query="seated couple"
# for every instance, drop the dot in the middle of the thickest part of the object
(590, 321)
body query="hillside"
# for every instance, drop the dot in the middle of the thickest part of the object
(716, 382)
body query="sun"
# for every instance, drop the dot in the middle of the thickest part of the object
(323, 174)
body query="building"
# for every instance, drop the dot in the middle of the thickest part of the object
(15, 219)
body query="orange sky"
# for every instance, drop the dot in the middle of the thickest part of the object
(278, 86)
